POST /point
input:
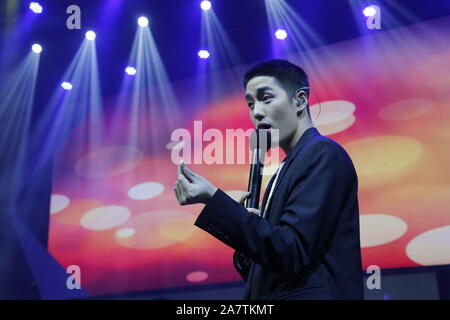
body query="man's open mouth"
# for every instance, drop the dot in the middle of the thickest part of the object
(263, 125)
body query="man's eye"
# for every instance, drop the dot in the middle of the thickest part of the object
(266, 98)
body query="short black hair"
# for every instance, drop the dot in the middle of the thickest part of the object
(290, 76)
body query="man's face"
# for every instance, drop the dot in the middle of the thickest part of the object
(270, 107)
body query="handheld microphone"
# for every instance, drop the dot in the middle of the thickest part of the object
(260, 143)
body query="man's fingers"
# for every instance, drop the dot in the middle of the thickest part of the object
(183, 185)
(255, 211)
(187, 172)
(184, 182)
(243, 197)
(178, 193)
(182, 177)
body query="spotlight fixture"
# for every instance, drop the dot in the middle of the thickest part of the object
(205, 5)
(203, 54)
(143, 22)
(90, 35)
(130, 71)
(36, 7)
(281, 34)
(66, 85)
(369, 11)
(36, 48)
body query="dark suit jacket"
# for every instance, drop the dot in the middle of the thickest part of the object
(307, 246)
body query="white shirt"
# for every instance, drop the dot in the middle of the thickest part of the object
(272, 188)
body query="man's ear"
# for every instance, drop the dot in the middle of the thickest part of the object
(300, 100)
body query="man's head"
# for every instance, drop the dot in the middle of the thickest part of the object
(277, 94)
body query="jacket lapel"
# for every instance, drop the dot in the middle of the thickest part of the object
(306, 136)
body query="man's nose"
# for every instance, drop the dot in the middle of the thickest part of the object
(258, 112)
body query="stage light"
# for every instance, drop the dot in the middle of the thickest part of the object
(66, 85)
(143, 22)
(369, 11)
(281, 34)
(35, 7)
(130, 71)
(90, 35)
(203, 54)
(205, 5)
(36, 48)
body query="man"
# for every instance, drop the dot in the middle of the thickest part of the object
(306, 243)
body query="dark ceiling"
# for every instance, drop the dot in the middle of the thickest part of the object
(175, 25)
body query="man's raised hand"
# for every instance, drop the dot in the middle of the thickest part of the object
(191, 188)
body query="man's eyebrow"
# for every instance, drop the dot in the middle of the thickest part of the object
(258, 92)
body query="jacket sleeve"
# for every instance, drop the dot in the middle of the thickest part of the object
(317, 194)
